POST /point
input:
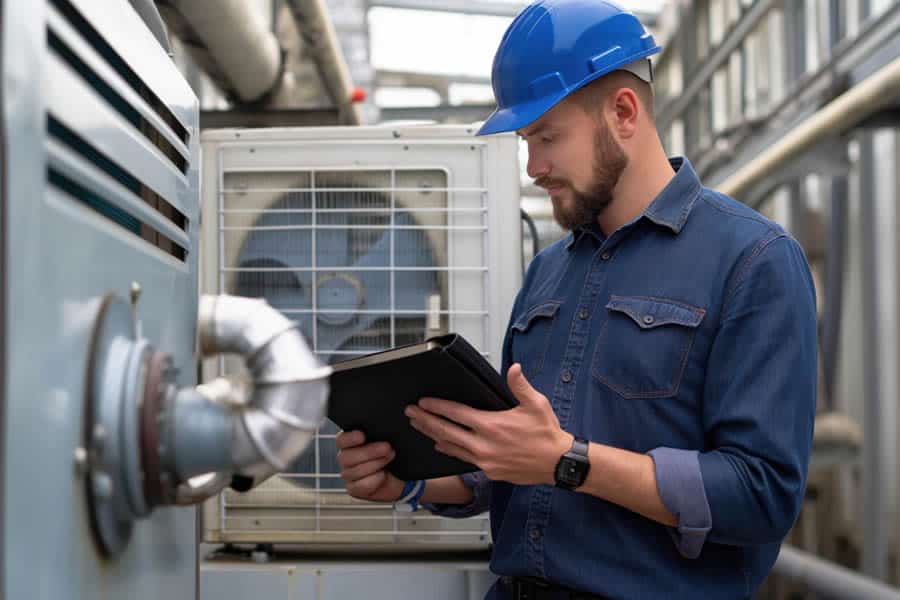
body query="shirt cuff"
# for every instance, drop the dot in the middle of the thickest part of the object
(481, 498)
(680, 485)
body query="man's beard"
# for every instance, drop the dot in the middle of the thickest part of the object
(609, 163)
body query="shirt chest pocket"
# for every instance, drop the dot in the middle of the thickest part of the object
(643, 346)
(531, 336)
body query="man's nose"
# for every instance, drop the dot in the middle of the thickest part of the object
(537, 167)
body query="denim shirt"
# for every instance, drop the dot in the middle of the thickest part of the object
(688, 334)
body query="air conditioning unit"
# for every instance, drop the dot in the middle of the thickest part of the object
(369, 237)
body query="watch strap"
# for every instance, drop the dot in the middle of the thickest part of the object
(580, 447)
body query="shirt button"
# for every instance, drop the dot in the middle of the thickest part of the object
(605, 255)
(567, 376)
(648, 320)
(535, 533)
(583, 314)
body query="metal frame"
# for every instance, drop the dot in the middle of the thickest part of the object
(64, 257)
(4, 198)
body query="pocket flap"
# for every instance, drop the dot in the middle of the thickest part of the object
(656, 312)
(546, 309)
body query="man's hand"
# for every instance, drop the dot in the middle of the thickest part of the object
(521, 445)
(362, 468)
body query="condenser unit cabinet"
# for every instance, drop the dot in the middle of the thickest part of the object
(369, 237)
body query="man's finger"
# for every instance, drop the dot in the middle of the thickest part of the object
(441, 430)
(367, 485)
(365, 469)
(460, 413)
(350, 457)
(459, 452)
(346, 439)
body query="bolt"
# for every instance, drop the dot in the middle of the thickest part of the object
(135, 292)
(102, 486)
(99, 437)
(81, 461)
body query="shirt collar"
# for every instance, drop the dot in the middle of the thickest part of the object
(673, 205)
(669, 209)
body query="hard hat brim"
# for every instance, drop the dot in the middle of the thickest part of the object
(516, 117)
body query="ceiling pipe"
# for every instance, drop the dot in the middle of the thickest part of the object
(319, 36)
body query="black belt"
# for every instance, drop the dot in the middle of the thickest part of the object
(532, 588)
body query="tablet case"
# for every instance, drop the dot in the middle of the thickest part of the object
(372, 398)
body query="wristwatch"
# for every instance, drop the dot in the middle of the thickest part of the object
(572, 468)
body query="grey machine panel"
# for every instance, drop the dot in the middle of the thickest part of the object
(286, 579)
(101, 192)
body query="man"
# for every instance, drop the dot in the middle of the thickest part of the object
(664, 354)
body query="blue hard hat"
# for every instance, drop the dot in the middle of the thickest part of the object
(555, 47)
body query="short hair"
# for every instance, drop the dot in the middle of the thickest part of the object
(591, 96)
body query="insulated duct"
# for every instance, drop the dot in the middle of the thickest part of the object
(254, 428)
(230, 41)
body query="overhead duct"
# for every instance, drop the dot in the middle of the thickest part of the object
(231, 42)
(319, 36)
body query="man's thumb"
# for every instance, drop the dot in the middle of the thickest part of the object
(519, 386)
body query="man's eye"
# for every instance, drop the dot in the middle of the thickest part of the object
(547, 139)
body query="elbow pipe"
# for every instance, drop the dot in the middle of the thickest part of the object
(254, 428)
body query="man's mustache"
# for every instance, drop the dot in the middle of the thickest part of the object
(548, 182)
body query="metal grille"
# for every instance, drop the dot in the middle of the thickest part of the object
(364, 260)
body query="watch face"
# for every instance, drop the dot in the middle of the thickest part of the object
(569, 472)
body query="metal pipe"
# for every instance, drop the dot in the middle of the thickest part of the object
(835, 267)
(319, 35)
(187, 494)
(254, 428)
(835, 118)
(828, 579)
(234, 34)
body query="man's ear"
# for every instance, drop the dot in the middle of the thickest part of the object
(623, 110)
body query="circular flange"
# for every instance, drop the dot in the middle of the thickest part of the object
(115, 388)
(159, 383)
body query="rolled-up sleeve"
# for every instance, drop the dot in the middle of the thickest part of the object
(680, 485)
(481, 498)
(759, 399)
